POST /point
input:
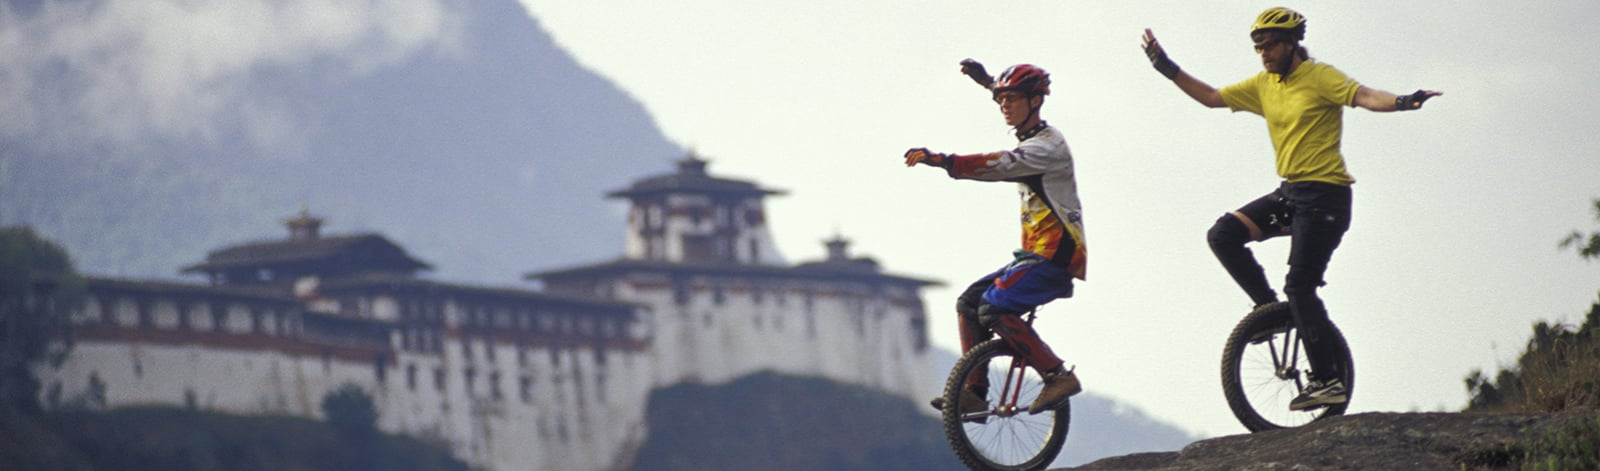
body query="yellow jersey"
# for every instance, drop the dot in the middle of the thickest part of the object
(1304, 117)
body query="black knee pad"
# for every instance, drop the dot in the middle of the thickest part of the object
(1228, 230)
(1303, 281)
(989, 316)
(967, 309)
(971, 298)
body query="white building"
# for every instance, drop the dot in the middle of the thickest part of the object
(551, 379)
(724, 305)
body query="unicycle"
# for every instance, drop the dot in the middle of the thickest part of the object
(1264, 366)
(1004, 437)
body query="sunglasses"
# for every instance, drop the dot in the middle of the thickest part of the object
(1268, 44)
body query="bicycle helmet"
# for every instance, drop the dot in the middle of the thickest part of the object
(1025, 78)
(1280, 18)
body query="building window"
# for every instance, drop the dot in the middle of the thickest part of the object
(411, 377)
(494, 386)
(525, 388)
(699, 248)
(219, 318)
(438, 379)
(681, 292)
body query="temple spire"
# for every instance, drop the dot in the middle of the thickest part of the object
(304, 227)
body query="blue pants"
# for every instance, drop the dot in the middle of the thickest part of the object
(995, 303)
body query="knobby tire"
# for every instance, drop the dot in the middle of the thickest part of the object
(1004, 442)
(1258, 396)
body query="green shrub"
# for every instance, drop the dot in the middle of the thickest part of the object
(1574, 444)
(1559, 370)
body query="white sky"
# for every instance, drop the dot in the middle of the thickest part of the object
(1451, 259)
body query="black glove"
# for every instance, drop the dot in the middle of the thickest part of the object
(1158, 57)
(1412, 101)
(976, 71)
(922, 156)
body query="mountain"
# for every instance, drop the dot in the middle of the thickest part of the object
(774, 422)
(141, 135)
(140, 139)
(173, 439)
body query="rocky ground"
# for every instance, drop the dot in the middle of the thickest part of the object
(1409, 441)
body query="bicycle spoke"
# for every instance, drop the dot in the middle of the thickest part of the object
(1272, 378)
(1263, 370)
(1008, 438)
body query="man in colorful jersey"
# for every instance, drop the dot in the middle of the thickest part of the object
(1302, 102)
(1052, 251)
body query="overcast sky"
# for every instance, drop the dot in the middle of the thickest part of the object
(1458, 207)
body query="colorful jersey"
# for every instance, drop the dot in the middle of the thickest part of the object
(1304, 118)
(1052, 217)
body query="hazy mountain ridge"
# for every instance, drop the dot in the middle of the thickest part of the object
(773, 421)
(487, 157)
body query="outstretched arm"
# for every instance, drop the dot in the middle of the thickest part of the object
(975, 70)
(1379, 100)
(1200, 91)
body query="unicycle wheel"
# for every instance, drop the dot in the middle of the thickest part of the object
(1004, 436)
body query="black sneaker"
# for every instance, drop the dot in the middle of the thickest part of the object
(1320, 393)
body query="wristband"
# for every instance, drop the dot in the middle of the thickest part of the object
(1163, 64)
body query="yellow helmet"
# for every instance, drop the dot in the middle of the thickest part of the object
(1281, 18)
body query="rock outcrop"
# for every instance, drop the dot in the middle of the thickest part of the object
(1410, 441)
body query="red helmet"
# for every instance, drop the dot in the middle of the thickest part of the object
(1026, 78)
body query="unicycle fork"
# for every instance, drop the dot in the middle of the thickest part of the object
(1001, 436)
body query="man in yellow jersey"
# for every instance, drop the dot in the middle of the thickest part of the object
(1052, 252)
(1302, 100)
